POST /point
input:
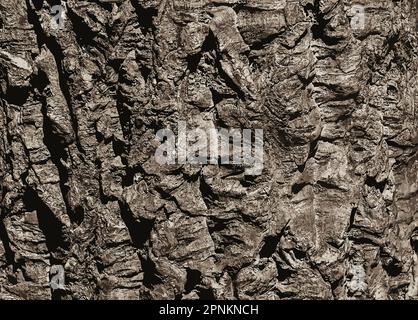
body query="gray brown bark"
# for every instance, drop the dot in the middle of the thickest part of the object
(334, 214)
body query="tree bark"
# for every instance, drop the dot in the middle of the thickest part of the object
(85, 87)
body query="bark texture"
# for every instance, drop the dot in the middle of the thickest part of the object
(334, 214)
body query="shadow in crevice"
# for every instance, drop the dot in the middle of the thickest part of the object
(48, 223)
(4, 238)
(269, 247)
(260, 44)
(352, 218)
(394, 268)
(371, 182)
(85, 35)
(194, 283)
(57, 148)
(319, 29)
(313, 147)
(208, 196)
(414, 240)
(297, 187)
(55, 48)
(151, 275)
(209, 44)
(139, 229)
(17, 95)
(284, 273)
(38, 4)
(194, 278)
(145, 16)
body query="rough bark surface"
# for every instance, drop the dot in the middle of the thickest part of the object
(334, 215)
